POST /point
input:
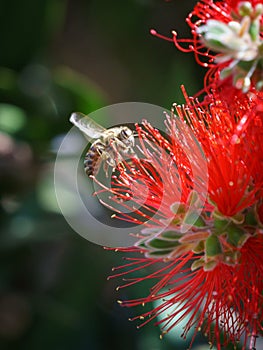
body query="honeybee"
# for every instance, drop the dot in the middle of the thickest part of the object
(109, 145)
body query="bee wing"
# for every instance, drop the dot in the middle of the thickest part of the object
(91, 129)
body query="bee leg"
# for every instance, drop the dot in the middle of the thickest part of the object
(106, 168)
(108, 161)
(119, 149)
(119, 146)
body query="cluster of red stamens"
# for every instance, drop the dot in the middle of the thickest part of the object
(201, 214)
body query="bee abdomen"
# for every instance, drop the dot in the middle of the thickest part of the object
(91, 161)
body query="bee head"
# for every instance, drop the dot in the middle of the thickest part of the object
(127, 136)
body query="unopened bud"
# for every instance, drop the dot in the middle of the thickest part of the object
(245, 8)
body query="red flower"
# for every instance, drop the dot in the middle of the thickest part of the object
(227, 38)
(226, 301)
(232, 144)
(206, 252)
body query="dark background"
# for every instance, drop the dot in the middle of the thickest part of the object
(57, 57)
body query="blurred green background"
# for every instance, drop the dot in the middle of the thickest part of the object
(57, 57)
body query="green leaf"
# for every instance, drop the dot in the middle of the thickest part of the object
(254, 30)
(210, 265)
(250, 218)
(173, 235)
(213, 246)
(141, 244)
(190, 217)
(178, 208)
(199, 248)
(220, 225)
(200, 222)
(157, 243)
(197, 264)
(214, 44)
(193, 199)
(236, 235)
(194, 237)
(245, 65)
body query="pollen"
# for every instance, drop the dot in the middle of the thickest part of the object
(230, 297)
(235, 139)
